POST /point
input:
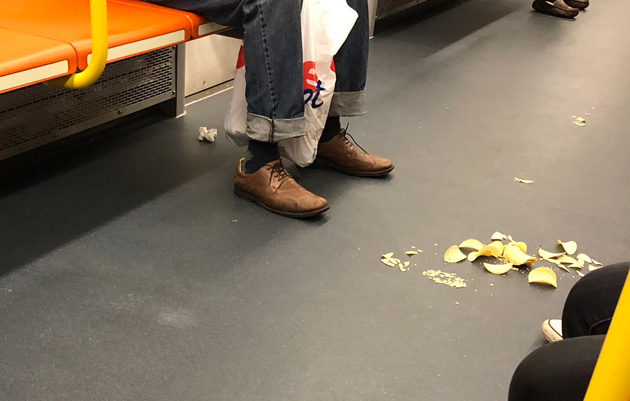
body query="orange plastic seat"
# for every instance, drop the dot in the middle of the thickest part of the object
(199, 25)
(26, 59)
(133, 28)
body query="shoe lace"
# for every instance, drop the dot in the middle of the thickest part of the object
(345, 134)
(279, 172)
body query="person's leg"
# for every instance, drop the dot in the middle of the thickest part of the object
(590, 306)
(559, 371)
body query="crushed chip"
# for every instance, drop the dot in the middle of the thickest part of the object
(543, 275)
(584, 257)
(549, 255)
(471, 244)
(563, 268)
(567, 260)
(593, 268)
(509, 238)
(521, 245)
(522, 181)
(497, 236)
(580, 274)
(454, 255)
(388, 262)
(387, 255)
(597, 263)
(411, 253)
(579, 121)
(445, 278)
(514, 255)
(570, 247)
(498, 269)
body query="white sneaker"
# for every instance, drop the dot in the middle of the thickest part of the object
(552, 330)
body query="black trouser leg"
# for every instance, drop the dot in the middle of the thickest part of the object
(592, 301)
(559, 371)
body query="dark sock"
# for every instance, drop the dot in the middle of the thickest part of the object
(259, 154)
(332, 128)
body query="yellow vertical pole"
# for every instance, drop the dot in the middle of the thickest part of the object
(98, 26)
(611, 379)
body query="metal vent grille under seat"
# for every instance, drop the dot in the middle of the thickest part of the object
(39, 114)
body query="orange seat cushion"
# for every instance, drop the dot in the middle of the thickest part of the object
(200, 25)
(26, 59)
(133, 29)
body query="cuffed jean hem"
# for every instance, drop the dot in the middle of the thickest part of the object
(348, 104)
(264, 129)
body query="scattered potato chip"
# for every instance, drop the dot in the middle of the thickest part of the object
(497, 247)
(579, 121)
(576, 266)
(548, 255)
(593, 268)
(454, 255)
(563, 268)
(596, 262)
(567, 260)
(441, 277)
(388, 262)
(522, 181)
(387, 255)
(471, 244)
(543, 275)
(521, 245)
(498, 269)
(488, 250)
(580, 274)
(497, 236)
(584, 257)
(411, 253)
(509, 238)
(473, 256)
(514, 255)
(570, 247)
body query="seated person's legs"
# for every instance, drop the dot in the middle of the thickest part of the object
(590, 306)
(560, 371)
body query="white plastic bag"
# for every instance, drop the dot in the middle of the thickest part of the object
(325, 26)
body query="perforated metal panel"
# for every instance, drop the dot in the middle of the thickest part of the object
(35, 115)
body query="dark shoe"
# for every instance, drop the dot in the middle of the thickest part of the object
(274, 189)
(557, 8)
(342, 155)
(579, 4)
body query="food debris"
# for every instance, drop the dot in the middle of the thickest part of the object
(445, 278)
(596, 262)
(584, 257)
(471, 244)
(570, 247)
(567, 260)
(543, 275)
(549, 255)
(404, 267)
(435, 244)
(579, 121)
(592, 268)
(233, 221)
(498, 269)
(454, 255)
(456, 303)
(411, 253)
(522, 181)
(580, 274)
(514, 255)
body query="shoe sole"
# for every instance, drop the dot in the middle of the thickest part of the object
(554, 12)
(296, 215)
(549, 333)
(380, 173)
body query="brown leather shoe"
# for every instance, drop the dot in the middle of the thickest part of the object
(342, 155)
(556, 8)
(274, 189)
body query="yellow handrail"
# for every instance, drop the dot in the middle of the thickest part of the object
(611, 379)
(96, 65)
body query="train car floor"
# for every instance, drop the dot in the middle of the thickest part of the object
(129, 270)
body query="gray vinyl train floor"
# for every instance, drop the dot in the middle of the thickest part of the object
(124, 277)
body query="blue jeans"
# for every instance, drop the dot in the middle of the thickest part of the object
(273, 62)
